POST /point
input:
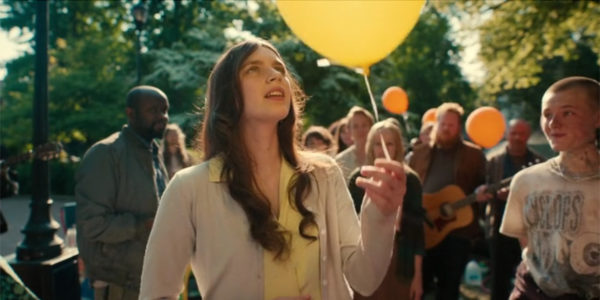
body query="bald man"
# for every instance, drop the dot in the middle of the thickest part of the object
(118, 185)
(505, 251)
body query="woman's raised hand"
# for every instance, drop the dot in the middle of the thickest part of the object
(384, 184)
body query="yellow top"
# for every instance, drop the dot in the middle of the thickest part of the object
(299, 273)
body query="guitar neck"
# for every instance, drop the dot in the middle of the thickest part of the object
(473, 197)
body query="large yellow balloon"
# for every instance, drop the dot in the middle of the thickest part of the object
(351, 32)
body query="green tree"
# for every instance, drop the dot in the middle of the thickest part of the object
(425, 66)
(88, 63)
(92, 63)
(527, 45)
(540, 31)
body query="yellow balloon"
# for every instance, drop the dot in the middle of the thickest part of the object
(351, 32)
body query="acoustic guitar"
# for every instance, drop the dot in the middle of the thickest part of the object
(449, 209)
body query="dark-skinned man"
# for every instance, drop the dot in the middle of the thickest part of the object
(118, 186)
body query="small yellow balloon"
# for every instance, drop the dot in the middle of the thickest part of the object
(350, 32)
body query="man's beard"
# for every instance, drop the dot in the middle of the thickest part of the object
(151, 132)
(447, 142)
(157, 133)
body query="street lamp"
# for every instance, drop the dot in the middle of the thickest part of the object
(43, 263)
(41, 241)
(140, 14)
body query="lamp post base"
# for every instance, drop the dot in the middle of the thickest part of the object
(55, 278)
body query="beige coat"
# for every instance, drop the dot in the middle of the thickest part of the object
(198, 221)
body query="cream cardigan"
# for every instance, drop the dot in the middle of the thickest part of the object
(199, 223)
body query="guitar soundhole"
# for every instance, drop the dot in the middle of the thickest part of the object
(447, 211)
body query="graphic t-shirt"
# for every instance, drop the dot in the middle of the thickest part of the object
(560, 217)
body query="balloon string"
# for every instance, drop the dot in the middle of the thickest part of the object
(383, 145)
(374, 105)
(372, 98)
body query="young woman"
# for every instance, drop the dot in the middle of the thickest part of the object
(404, 276)
(259, 219)
(175, 155)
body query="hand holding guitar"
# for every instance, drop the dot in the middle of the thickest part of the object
(502, 194)
(482, 194)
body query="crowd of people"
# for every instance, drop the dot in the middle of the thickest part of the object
(346, 211)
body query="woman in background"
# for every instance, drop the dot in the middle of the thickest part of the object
(404, 276)
(360, 121)
(341, 134)
(175, 155)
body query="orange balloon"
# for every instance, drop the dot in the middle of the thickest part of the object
(429, 116)
(486, 126)
(395, 100)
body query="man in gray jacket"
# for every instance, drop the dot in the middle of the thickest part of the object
(119, 183)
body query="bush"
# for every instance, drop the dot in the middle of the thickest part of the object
(62, 177)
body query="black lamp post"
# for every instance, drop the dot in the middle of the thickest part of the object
(41, 241)
(140, 14)
(44, 265)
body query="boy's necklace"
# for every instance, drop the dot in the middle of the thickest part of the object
(558, 168)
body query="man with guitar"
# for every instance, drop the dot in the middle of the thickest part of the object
(505, 251)
(448, 162)
(553, 208)
(119, 183)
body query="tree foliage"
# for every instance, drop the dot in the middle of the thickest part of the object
(92, 64)
(517, 37)
(527, 45)
(86, 71)
(425, 66)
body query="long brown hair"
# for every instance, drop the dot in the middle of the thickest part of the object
(181, 154)
(221, 136)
